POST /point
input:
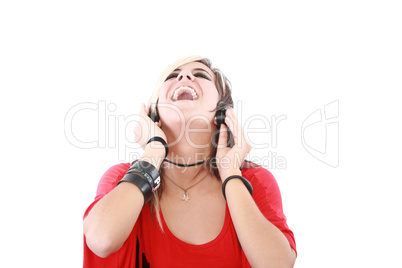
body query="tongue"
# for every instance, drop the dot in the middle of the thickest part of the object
(185, 96)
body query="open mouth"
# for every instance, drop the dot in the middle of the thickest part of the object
(184, 93)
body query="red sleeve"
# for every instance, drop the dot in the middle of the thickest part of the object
(123, 257)
(111, 177)
(108, 181)
(267, 196)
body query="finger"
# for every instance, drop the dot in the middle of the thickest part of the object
(143, 109)
(147, 109)
(237, 131)
(231, 123)
(235, 123)
(240, 136)
(223, 137)
(144, 122)
(144, 112)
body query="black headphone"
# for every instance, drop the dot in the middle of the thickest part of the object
(220, 119)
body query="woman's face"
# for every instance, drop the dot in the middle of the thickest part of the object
(188, 93)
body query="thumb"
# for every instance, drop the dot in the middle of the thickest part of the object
(223, 136)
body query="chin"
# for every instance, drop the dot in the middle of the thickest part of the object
(191, 118)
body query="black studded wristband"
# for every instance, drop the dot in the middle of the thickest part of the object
(150, 170)
(146, 176)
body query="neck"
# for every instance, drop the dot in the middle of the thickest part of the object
(187, 147)
(178, 178)
(185, 154)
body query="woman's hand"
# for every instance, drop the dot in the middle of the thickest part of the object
(146, 128)
(228, 159)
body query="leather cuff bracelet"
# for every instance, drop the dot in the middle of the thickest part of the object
(141, 183)
(244, 180)
(146, 176)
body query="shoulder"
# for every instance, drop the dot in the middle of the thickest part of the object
(110, 178)
(265, 187)
(117, 170)
(259, 176)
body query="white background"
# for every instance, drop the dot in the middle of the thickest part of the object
(289, 58)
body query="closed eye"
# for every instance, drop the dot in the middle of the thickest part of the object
(172, 75)
(202, 76)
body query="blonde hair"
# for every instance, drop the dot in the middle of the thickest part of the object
(225, 100)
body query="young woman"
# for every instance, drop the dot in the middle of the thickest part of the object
(191, 200)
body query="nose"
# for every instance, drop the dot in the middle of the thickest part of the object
(185, 75)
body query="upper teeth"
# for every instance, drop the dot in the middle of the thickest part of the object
(180, 89)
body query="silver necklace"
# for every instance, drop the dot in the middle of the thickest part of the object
(185, 196)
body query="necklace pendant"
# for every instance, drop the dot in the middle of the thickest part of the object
(185, 197)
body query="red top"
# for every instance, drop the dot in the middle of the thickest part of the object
(149, 246)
